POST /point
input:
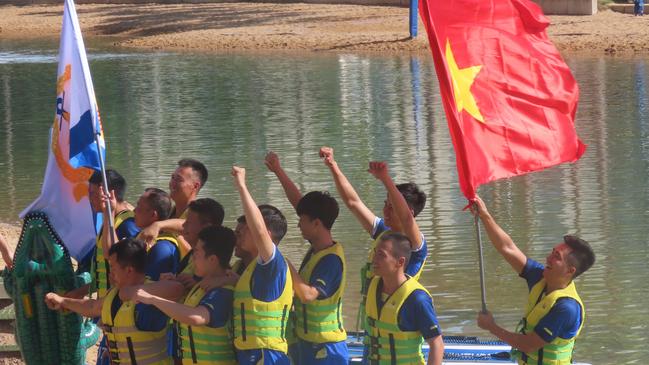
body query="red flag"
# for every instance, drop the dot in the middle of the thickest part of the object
(509, 97)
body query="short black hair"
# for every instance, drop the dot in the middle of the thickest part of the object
(400, 246)
(415, 198)
(197, 167)
(273, 219)
(116, 182)
(209, 211)
(130, 252)
(160, 201)
(219, 241)
(319, 205)
(582, 256)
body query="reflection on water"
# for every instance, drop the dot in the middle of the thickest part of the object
(226, 109)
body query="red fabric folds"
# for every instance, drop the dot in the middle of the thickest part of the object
(509, 97)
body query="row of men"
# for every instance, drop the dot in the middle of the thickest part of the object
(262, 310)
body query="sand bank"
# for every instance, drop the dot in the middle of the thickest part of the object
(301, 27)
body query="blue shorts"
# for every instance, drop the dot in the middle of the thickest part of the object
(331, 353)
(262, 357)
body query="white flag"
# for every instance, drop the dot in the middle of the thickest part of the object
(73, 152)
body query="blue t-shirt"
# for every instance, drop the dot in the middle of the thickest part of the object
(162, 257)
(564, 319)
(268, 282)
(127, 229)
(218, 302)
(148, 318)
(417, 257)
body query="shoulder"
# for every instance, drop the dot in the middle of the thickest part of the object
(217, 297)
(532, 272)
(420, 299)
(329, 260)
(378, 227)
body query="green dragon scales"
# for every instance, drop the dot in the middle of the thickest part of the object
(42, 264)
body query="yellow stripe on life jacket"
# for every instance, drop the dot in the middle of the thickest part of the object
(202, 344)
(320, 321)
(127, 344)
(258, 324)
(386, 342)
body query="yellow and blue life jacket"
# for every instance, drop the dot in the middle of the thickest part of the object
(320, 321)
(205, 345)
(102, 268)
(386, 342)
(258, 324)
(559, 351)
(127, 344)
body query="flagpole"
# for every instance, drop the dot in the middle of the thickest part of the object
(109, 209)
(483, 289)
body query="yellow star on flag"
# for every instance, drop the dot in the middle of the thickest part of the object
(462, 80)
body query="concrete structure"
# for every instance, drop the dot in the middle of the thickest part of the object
(626, 8)
(555, 7)
(568, 7)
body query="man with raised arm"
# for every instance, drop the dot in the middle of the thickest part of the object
(404, 202)
(320, 282)
(203, 318)
(185, 183)
(263, 294)
(554, 314)
(400, 311)
(135, 332)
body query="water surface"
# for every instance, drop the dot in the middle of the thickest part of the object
(229, 109)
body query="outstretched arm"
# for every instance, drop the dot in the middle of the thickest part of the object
(499, 238)
(254, 219)
(169, 289)
(529, 342)
(399, 204)
(86, 307)
(292, 192)
(194, 316)
(347, 193)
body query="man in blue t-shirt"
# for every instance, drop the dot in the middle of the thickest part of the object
(163, 256)
(404, 202)
(400, 311)
(320, 281)
(211, 309)
(127, 260)
(265, 284)
(555, 313)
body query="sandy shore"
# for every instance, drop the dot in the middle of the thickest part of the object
(301, 27)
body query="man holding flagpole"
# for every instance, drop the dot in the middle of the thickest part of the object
(555, 314)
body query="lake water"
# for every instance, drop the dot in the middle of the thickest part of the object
(229, 109)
